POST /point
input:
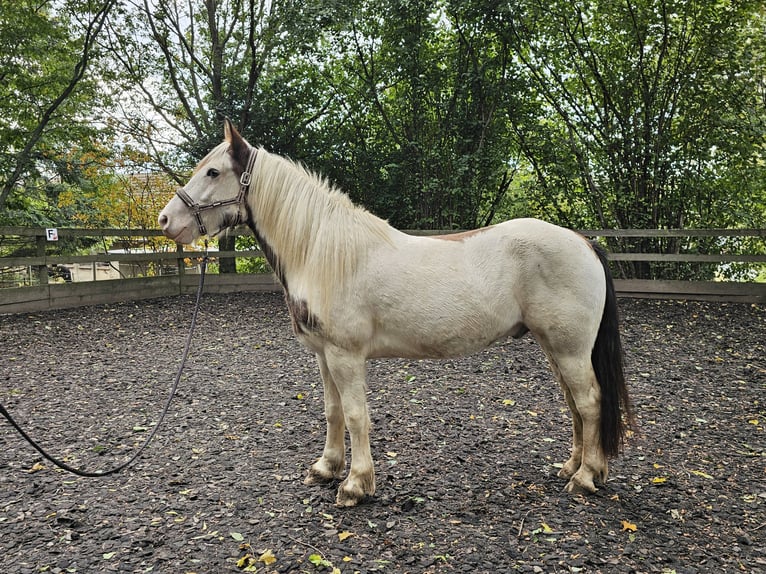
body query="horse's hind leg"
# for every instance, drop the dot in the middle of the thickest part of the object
(570, 467)
(332, 463)
(583, 394)
(575, 458)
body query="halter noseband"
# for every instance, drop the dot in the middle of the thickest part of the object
(244, 186)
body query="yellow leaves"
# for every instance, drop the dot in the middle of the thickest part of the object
(267, 557)
(36, 467)
(628, 526)
(249, 563)
(546, 530)
(658, 479)
(700, 473)
(344, 535)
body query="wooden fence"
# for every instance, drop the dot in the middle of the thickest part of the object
(166, 271)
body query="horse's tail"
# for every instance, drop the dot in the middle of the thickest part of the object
(607, 360)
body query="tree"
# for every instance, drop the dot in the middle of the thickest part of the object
(191, 64)
(421, 97)
(46, 92)
(655, 105)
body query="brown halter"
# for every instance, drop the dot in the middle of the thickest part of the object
(244, 186)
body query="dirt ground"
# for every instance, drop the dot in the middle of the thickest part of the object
(466, 451)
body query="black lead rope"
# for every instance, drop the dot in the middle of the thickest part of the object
(128, 462)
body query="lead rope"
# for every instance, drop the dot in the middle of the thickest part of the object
(173, 389)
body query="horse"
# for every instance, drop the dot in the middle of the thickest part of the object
(358, 289)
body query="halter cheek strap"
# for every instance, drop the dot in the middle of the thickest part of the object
(244, 187)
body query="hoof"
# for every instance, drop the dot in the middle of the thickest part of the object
(319, 474)
(351, 493)
(316, 478)
(578, 485)
(347, 498)
(568, 469)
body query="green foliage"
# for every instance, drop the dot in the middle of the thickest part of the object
(250, 264)
(420, 96)
(48, 105)
(651, 114)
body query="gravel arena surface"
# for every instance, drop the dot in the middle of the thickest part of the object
(466, 450)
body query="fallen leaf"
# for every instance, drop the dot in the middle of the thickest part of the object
(267, 557)
(628, 526)
(345, 534)
(37, 467)
(659, 479)
(702, 474)
(245, 561)
(509, 402)
(237, 536)
(317, 560)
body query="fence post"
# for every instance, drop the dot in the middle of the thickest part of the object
(181, 267)
(180, 259)
(42, 270)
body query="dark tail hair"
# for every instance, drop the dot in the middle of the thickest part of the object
(607, 360)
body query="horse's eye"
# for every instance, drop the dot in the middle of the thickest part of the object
(213, 172)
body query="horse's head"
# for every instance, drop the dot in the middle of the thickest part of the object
(214, 197)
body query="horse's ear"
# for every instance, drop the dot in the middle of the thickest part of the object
(239, 147)
(229, 131)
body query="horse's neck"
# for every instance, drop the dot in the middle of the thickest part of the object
(314, 236)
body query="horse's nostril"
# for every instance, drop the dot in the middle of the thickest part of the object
(163, 220)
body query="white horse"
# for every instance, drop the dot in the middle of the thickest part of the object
(356, 288)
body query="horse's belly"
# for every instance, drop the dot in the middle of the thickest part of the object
(441, 341)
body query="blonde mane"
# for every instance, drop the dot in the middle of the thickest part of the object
(312, 227)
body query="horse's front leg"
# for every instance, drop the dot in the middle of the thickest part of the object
(332, 463)
(348, 372)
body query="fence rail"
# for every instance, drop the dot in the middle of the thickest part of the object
(35, 256)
